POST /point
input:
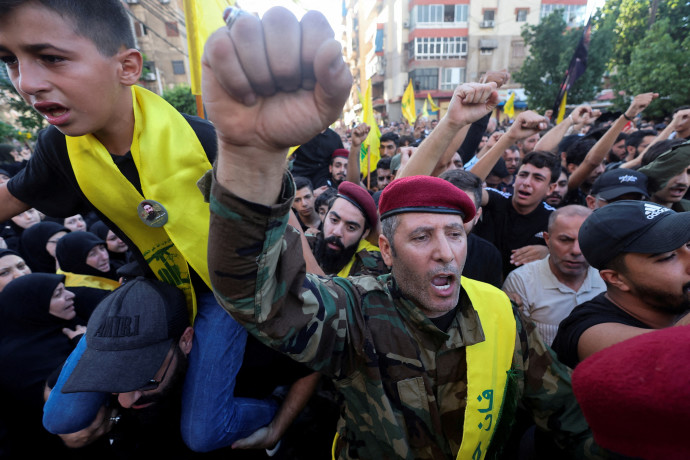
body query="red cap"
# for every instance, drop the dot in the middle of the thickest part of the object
(361, 199)
(341, 153)
(635, 395)
(425, 194)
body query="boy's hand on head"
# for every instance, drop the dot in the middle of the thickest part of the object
(273, 83)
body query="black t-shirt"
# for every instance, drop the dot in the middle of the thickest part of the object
(483, 261)
(48, 183)
(503, 226)
(599, 310)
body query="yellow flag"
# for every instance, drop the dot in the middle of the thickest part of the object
(434, 107)
(425, 112)
(202, 18)
(509, 107)
(561, 109)
(369, 153)
(408, 109)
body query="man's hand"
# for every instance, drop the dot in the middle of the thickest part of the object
(273, 83)
(639, 103)
(470, 102)
(263, 438)
(526, 124)
(528, 254)
(500, 77)
(101, 425)
(580, 113)
(359, 134)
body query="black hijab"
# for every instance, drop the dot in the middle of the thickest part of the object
(117, 259)
(72, 250)
(33, 246)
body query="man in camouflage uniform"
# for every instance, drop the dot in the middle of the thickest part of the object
(397, 347)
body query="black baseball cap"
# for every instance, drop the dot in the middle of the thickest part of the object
(631, 226)
(128, 337)
(616, 182)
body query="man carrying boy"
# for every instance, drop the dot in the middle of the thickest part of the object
(113, 146)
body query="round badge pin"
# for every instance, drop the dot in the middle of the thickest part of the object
(152, 213)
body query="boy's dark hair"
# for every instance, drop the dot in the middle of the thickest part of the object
(301, 182)
(325, 198)
(567, 141)
(391, 137)
(657, 149)
(406, 140)
(635, 138)
(682, 107)
(467, 182)
(104, 22)
(541, 159)
(578, 150)
(384, 163)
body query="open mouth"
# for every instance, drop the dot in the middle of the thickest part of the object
(53, 113)
(443, 283)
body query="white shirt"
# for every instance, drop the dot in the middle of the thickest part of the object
(547, 301)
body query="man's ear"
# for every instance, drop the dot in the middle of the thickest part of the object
(591, 202)
(386, 250)
(571, 167)
(613, 278)
(131, 66)
(185, 342)
(546, 237)
(552, 188)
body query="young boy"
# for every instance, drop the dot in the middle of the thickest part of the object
(113, 146)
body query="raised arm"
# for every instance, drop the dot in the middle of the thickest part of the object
(359, 134)
(470, 102)
(549, 143)
(526, 124)
(603, 146)
(267, 85)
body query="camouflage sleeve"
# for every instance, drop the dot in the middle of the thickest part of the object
(258, 275)
(546, 392)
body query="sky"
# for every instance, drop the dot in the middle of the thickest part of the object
(332, 9)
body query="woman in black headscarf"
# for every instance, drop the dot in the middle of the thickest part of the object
(38, 243)
(12, 266)
(118, 251)
(36, 315)
(84, 261)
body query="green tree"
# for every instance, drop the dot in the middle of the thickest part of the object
(181, 98)
(28, 120)
(551, 46)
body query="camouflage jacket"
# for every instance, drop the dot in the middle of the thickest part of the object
(365, 263)
(372, 342)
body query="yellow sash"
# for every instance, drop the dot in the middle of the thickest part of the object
(363, 244)
(98, 282)
(170, 159)
(488, 366)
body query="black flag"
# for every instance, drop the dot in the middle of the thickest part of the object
(577, 67)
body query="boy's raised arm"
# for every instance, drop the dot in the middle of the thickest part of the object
(267, 85)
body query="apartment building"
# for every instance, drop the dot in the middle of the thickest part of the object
(439, 44)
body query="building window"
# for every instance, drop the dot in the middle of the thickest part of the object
(424, 79)
(178, 67)
(439, 14)
(521, 14)
(452, 77)
(440, 48)
(518, 49)
(574, 15)
(171, 29)
(489, 15)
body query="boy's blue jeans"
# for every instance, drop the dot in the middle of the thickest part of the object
(211, 416)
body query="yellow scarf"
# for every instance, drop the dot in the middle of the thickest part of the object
(488, 365)
(169, 159)
(98, 282)
(363, 244)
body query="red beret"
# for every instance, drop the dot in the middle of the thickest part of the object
(341, 153)
(361, 199)
(425, 194)
(635, 395)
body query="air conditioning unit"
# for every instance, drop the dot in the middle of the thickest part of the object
(406, 25)
(486, 24)
(149, 76)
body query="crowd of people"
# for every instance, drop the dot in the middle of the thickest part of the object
(171, 285)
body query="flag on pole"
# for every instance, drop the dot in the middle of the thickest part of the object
(202, 18)
(509, 107)
(425, 112)
(408, 109)
(578, 65)
(369, 153)
(434, 107)
(561, 109)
